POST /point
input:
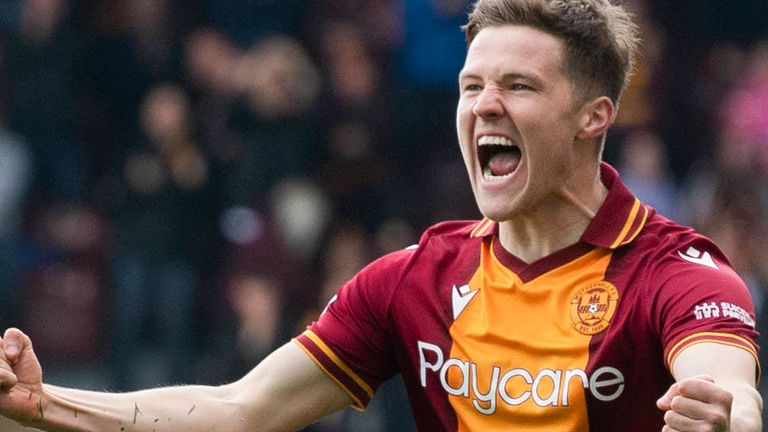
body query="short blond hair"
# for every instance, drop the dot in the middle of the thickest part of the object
(600, 38)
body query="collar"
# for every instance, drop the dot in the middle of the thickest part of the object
(618, 221)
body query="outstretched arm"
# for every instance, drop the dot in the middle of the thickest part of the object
(284, 392)
(715, 390)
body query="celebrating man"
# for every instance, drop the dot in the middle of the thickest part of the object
(570, 307)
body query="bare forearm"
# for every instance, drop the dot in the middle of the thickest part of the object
(746, 411)
(286, 391)
(187, 408)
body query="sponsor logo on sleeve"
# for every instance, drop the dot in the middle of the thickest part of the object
(710, 310)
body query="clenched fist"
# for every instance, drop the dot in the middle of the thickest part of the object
(696, 404)
(21, 386)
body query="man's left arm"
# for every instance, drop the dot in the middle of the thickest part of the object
(715, 390)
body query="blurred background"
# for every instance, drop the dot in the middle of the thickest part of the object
(184, 184)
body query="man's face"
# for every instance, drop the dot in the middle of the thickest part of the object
(516, 120)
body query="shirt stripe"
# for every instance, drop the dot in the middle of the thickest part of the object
(639, 227)
(481, 228)
(360, 392)
(627, 225)
(712, 337)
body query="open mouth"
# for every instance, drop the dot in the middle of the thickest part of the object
(499, 157)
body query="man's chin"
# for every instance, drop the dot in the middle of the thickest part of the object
(498, 212)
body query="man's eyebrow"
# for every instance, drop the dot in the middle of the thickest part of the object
(506, 77)
(467, 75)
(521, 75)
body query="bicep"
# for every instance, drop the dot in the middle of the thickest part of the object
(287, 391)
(723, 362)
(734, 369)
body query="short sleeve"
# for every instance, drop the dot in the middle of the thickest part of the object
(351, 340)
(701, 299)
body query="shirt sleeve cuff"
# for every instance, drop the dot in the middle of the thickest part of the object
(358, 390)
(729, 339)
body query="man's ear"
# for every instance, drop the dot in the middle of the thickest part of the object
(597, 116)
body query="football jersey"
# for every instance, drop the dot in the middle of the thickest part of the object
(580, 340)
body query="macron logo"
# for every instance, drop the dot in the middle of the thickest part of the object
(330, 302)
(461, 297)
(695, 256)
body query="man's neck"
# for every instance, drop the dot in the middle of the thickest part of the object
(553, 225)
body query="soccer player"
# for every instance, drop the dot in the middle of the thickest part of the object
(570, 307)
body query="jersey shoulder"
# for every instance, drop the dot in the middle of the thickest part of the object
(675, 248)
(438, 242)
(456, 228)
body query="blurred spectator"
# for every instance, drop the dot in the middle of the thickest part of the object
(248, 21)
(395, 234)
(706, 21)
(645, 170)
(741, 149)
(637, 107)
(691, 30)
(744, 114)
(432, 52)
(347, 252)
(425, 85)
(134, 45)
(265, 290)
(278, 245)
(379, 20)
(163, 232)
(301, 213)
(258, 303)
(354, 174)
(43, 58)
(209, 63)
(354, 75)
(279, 86)
(64, 294)
(357, 126)
(16, 167)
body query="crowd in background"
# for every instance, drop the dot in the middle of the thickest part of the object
(184, 184)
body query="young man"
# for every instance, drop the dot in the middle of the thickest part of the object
(570, 307)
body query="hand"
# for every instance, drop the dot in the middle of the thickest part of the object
(696, 404)
(21, 378)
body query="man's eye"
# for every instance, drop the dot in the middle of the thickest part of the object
(472, 88)
(519, 87)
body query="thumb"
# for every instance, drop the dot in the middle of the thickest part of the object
(14, 342)
(665, 402)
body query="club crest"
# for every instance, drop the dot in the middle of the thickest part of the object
(592, 307)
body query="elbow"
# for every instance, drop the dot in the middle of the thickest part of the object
(246, 412)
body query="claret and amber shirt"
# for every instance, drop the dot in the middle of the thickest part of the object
(581, 340)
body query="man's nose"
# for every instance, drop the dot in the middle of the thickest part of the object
(488, 103)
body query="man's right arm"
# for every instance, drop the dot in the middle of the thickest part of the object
(284, 392)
